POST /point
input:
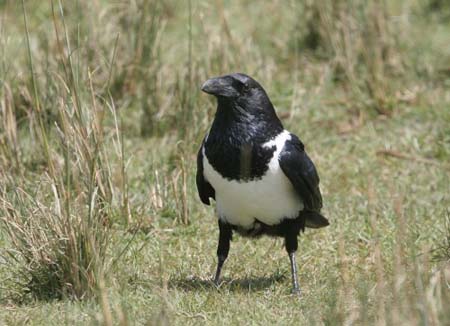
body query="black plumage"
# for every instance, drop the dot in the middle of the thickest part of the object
(205, 190)
(263, 181)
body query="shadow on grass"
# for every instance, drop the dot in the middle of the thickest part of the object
(243, 284)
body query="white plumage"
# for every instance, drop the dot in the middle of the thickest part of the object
(268, 199)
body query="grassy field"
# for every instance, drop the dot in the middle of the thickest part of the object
(101, 117)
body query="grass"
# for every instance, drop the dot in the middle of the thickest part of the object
(99, 127)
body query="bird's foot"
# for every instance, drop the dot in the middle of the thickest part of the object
(296, 291)
(216, 281)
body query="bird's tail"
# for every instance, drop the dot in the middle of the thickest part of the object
(314, 220)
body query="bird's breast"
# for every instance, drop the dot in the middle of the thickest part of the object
(269, 199)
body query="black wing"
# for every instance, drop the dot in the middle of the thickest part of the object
(205, 190)
(300, 170)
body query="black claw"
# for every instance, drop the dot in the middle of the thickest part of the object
(296, 291)
(216, 279)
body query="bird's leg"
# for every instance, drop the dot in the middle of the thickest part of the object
(225, 234)
(291, 247)
(295, 287)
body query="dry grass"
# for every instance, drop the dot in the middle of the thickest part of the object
(58, 218)
(363, 44)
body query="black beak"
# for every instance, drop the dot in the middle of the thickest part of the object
(212, 86)
(219, 86)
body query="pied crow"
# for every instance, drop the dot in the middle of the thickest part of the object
(258, 173)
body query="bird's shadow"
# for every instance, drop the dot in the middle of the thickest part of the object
(193, 283)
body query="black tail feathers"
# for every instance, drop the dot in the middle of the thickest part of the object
(314, 220)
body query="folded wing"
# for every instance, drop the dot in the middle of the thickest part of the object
(205, 190)
(300, 170)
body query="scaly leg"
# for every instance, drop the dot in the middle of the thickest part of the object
(295, 287)
(291, 244)
(225, 234)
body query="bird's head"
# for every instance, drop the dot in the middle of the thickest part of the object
(240, 92)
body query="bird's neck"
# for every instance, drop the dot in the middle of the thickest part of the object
(240, 126)
(234, 145)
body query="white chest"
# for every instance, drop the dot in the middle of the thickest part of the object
(269, 199)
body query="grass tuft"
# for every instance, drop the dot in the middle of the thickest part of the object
(59, 226)
(361, 40)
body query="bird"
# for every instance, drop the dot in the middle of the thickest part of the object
(258, 173)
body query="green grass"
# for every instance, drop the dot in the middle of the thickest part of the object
(123, 117)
